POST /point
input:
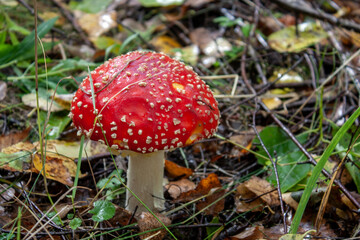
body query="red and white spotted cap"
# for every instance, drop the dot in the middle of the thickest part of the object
(145, 102)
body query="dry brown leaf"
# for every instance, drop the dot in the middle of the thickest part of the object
(175, 188)
(146, 221)
(172, 170)
(122, 217)
(13, 138)
(208, 204)
(260, 186)
(250, 233)
(243, 200)
(21, 146)
(57, 167)
(203, 188)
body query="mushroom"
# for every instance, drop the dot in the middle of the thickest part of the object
(144, 104)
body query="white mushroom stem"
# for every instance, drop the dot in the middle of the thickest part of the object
(145, 179)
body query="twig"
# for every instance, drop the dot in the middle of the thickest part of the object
(275, 169)
(318, 14)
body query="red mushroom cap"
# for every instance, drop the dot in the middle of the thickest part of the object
(145, 102)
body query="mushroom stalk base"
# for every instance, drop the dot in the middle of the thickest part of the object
(145, 179)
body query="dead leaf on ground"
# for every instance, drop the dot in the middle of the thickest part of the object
(44, 102)
(13, 138)
(272, 103)
(252, 189)
(165, 44)
(250, 233)
(147, 221)
(209, 205)
(122, 217)
(203, 188)
(211, 184)
(175, 188)
(71, 149)
(174, 171)
(246, 200)
(286, 40)
(57, 167)
(260, 186)
(96, 24)
(18, 157)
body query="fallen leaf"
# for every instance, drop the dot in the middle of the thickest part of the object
(203, 188)
(250, 233)
(165, 44)
(122, 217)
(146, 222)
(172, 170)
(212, 208)
(13, 138)
(44, 102)
(96, 24)
(286, 39)
(71, 149)
(246, 200)
(64, 100)
(175, 188)
(57, 167)
(272, 103)
(263, 188)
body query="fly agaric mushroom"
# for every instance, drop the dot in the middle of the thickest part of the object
(146, 103)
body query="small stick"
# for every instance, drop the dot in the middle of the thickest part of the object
(275, 169)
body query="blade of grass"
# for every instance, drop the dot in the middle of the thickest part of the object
(78, 168)
(317, 170)
(12, 53)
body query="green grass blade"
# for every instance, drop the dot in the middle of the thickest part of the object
(317, 170)
(11, 53)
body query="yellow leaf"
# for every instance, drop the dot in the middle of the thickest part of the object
(165, 44)
(286, 40)
(272, 103)
(57, 167)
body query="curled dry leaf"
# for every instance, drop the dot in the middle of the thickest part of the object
(203, 188)
(146, 222)
(209, 185)
(175, 188)
(174, 171)
(251, 189)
